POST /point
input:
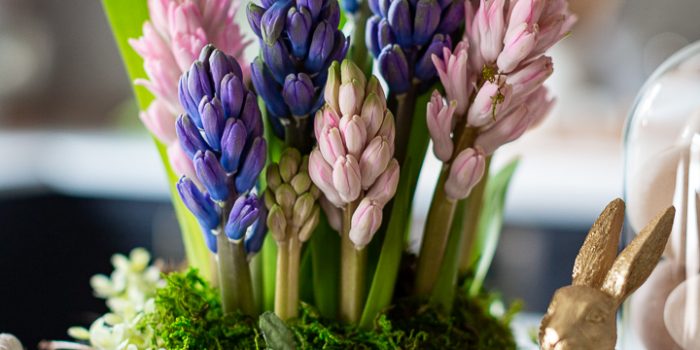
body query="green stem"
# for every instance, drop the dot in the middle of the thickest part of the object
(227, 274)
(471, 221)
(352, 272)
(243, 283)
(403, 106)
(438, 223)
(281, 281)
(358, 47)
(294, 259)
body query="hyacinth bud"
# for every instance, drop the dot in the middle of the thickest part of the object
(159, 121)
(198, 203)
(505, 130)
(332, 89)
(529, 78)
(212, 113)
(272, 176)
(373, 113)
(321, 174)
(346, 178)
(255, 237)
(427, 19)
(321, 46)
(308, 227)
(285, 197)
(366, 220)
(252, 166)
(190, 138)
(210, 239)
(331, 144)
(490, 101)
(465, 172)
(384, 187)
(440, 119)
(527, 11)
(233, 143)
(314, 7)
(9, 342)
(490, 24)
(181, 162)
(245, 211)
(452, 17)
(277, 223)
(374, 160)
(425, 69)
(385, 36)
(394, 68)
(212, 175)
(232, 93)
(452, 69)
(354, 133)
(298, 93)
(267, 87)
(276, 57)
(399, 17)
(220, 66)
(299, 29)
(350, 96)
(517, 47)
(303, 207)
(289, 163)
(272, 22)
(254, 13)
(539, 104)
(195, 85)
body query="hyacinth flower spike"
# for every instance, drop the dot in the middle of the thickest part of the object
(493, 81)
(354, 166)
(294, 213)
(222, 133)
(298, 39)
(402, 36)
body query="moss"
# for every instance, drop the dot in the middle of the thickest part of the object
(188, 315)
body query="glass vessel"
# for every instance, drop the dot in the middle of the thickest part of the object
(662, 168)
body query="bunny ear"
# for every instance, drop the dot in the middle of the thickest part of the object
(599, 250)
(636, 262)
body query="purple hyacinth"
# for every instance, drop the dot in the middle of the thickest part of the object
(403, 35)
(222, 133)
(299, 39)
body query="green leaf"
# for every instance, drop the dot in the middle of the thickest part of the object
(384, 278)
(276, 333)
(126, 17)
(325, 253)
(490, 223)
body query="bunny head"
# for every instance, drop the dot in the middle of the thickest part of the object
(582, 316)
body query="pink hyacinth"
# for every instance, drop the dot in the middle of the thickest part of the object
(172, 39)
(495, 77)
(353, 161)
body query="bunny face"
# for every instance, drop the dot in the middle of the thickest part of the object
(579, 317)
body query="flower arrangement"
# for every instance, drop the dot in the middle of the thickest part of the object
(306, 144)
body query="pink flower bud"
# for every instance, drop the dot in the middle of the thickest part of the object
(181, 163)
(539, 104)
(350, 97)
(325, 117)
(160, 122)
(384, 187)
(440, 119)
(505, 130)
(333, 213)
(330, 143)
(518, 45)
(374, 160)
(490, 101)
(490, 25)
(554, 23)
(330, 92)
(465, 172)
(452, 70)
(525, 11)
(346, 178)
(354, 132)
(529, 78)
(388, 129)
(321, 174)
(373, 113)
(365, 222)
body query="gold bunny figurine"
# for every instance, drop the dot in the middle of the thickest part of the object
(582, 316)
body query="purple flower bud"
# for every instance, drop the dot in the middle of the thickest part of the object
(273, 21)
(245, 211)
(254, 14)
(400, 19)
(190, 138)
(221, 65)
(267, 3)
(372, 35)
(321, 46)
(212, 121)
(314, 7)
(384, 7)
(232, 93)
(298, 93)
(206, 52)
(255, 237)
(252, 166)
(331, 13)
(198, 203)
(251, 117)
(452, 18)
(385, 36)
(191, 107)
(277, 59)
(233, 143)
(298, 28)
(209, 239)
(212, 175)
(394, 68)
(268, 89)
(340, 48)
(374, 7)
(425, 69)
(426, 21)
(198, 86)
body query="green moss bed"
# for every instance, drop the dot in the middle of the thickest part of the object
(188, 315)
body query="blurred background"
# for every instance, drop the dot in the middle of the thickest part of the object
(81, 180)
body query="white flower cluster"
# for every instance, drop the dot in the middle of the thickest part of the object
(129, 292)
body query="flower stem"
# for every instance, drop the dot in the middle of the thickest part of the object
(352, 272)
(439, 222)
(242, 282)
(281, 287)
(294, 259)
(403, 107)
(227, 278)
(471, 221)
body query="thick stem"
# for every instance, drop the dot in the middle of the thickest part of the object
(281, 287)
(471, 222)
(439, 222)
(294, 258)
(227, 274)
(403, 107)
(296, 133)
(243, 284)
(358, 47)
(352, 272)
